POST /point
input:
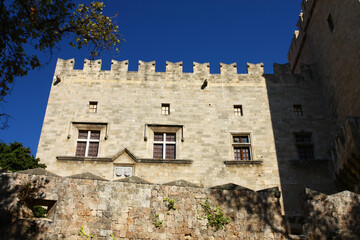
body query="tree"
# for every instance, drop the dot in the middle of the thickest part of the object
(15, 157)
(40, 25)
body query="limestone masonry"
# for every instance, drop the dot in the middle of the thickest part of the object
(295, 129)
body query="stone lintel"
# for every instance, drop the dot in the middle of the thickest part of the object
(72, 158)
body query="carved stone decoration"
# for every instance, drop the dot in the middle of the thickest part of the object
(123, 171)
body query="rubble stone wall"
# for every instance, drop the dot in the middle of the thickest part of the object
(128, 210)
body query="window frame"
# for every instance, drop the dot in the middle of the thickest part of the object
(241, 145)
(238, 110)
(165, 108)
(93, 106)
(303, 145)
(298, 111)
(164, 143)
(88, 140)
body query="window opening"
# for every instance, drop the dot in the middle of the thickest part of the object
(304, 146)
(164, 145)
(238, 111)
(165, 108)
(241, 147)
(298, 110)
(88, 143)
(93, 107)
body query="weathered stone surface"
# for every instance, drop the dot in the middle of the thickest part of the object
(128, 210)
(39, 171)
(133, 179)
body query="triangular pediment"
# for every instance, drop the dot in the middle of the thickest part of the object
(124, 156)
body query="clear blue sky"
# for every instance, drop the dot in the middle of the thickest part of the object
(166, 30)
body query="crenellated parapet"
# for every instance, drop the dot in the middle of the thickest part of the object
(228, 72)
(300, 34)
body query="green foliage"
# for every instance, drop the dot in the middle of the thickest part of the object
(15, 157)
(39, 211)
(216, 218)
(170, 203)
(83, 234)
(112, 236)
(156, 221)
(30, 27)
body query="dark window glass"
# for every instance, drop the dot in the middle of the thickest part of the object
(158, 136)
(80, 149)
(171, 137)
(306, 152)
(93, 149)
(83, 134)
(158, 151)
(298, 110)
(240, 139)
(241, 153)
(170, 151)
(95, 135)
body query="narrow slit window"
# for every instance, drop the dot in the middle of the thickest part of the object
(238, 111)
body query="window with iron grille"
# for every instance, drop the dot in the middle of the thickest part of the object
(165, 108)
(93, 107)
(88, 143)
(238, 111)
(304, 146)
(242, 147)
(298, 110)
(164, 145)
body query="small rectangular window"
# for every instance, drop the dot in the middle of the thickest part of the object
(304, 146)
(241, 147)
(238, 110)
(298, 110)
(330, 23)
(93, 107)
(165, 108)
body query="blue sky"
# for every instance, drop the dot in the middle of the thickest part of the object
(166, 30)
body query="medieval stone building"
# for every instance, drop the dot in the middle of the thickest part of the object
(292, 129)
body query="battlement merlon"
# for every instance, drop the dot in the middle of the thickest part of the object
(299, 35)
(121, 67)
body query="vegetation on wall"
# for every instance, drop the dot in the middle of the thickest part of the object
(215, 217)
(15, 157)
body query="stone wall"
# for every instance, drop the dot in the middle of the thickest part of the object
(327, 43)
(333, 53)
(127, 210)
(332, 216)
(286, 90)
(129, 112)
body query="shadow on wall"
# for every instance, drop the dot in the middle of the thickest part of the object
(332, 216)
(301, 132)
(17, 201)
(256, 207)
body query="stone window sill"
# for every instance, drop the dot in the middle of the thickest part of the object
(72, 158)
(241, 162)
(169, 161)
